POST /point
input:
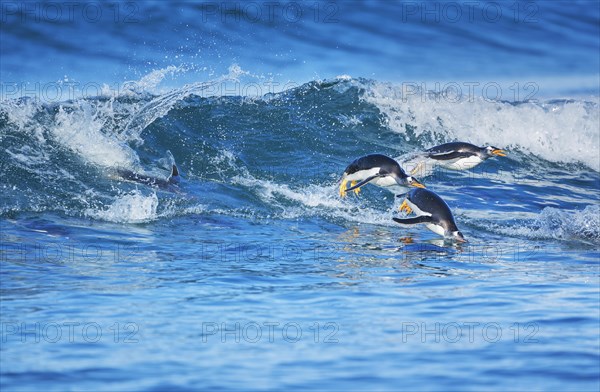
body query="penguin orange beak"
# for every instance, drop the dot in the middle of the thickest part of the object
(458, 237)
(499, 152)
(416, 184)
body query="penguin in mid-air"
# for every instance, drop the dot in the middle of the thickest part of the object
(379, 170)
(431, 210)
(172, 180)
(460, 155)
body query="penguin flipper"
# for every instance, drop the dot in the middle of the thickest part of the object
(363, 182)
(448, 155)
(414, 221)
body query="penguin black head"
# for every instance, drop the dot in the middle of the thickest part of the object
(457, 236)
(403, 180)
(411, 181)
(491, 151)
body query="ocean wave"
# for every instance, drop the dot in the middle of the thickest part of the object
(554, 223)
(557, 131)
(278, 155)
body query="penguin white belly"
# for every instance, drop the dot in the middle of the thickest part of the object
(462, 163)
(436, 229)
(385, 181)
(362, 174)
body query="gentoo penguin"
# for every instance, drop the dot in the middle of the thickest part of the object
(460, 155)
(432, 211)
(379, 170)
(129, 175)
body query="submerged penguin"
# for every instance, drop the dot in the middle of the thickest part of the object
(460, 155)
(379, 170)
(173, 179)
(431, 210)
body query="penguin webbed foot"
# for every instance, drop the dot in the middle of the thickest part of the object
(405, 207)
(343, 186)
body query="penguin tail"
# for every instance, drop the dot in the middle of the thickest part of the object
(413, 221)
(174, 178)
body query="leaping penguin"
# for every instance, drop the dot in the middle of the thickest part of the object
(431, 210)
(460, 155)
(129, 175)
(379, 170)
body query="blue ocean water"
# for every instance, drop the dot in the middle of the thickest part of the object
(252, 273)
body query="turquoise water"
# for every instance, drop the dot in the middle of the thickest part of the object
(253, 273)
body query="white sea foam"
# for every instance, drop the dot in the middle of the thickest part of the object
(565, 131)
(313, 200)
(161, 104)
(81, 128)
(101, 130)
(583, 225)
(133, 207)
(28, 156)
(21, 114)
